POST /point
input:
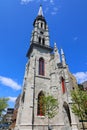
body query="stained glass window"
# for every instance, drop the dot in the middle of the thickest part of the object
(41, 66)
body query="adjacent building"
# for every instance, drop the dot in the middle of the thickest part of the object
(14, 117)
(8, 116)
(84, 85)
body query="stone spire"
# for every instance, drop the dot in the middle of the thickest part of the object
(56, 54)
(63, 58)
(62, 52)
(40, 13)
(55, 47)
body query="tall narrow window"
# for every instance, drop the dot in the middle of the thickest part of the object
(45, 26)
(41, 66)
(43, 41)
(41, 25)
(63, 85)
(39, 40)
(40, 109)
(66, 107)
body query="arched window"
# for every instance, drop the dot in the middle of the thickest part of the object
(39, 40)
(66, 107)
(41, 25)
(40, 109)
(41, 66)
(63, 84)
(45, 26)
(43, 41)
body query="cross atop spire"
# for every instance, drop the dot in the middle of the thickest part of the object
(40, 13)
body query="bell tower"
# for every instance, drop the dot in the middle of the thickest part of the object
(37, 77)
(40, 33)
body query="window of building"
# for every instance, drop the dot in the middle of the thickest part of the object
(63, 84)
(41, 32)
(38, 25)
(43, 41)
(39, 40)
(45, 26)
(40, 109)
(41, 25)
(66, 107)
(41, 66)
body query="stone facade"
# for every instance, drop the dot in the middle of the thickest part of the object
(55, 80)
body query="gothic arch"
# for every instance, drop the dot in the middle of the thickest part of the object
(41, 66)
(63, 84)
(40, 107)
(43, 41)
(67, 110)
(42, 25)
(39, 40)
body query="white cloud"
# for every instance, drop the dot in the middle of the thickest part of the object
(51, 5)
(12, 99)
(10, 83)
(75, 38)
(45, 0)
(81, 76)
(55, 11)
(26, 1)
(46, 10)
(52, 1)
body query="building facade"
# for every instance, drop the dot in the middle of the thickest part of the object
(8, 116)
(14, 117)
(46, 72)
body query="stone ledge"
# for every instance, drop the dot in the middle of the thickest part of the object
(43, 77)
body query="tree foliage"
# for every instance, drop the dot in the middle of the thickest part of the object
(3, 104)
(79, 106)
(50, 106)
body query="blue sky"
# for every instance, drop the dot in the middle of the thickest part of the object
(67, 21)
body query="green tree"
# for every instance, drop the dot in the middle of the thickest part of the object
(80, 86)
(50, 106)
(3, 105)
(79, 105)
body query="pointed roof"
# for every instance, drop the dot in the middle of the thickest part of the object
(40, 13)
(54, 44)
(62, 52)
(55, 47)
(56, 53)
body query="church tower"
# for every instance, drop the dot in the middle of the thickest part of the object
(45, 73)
